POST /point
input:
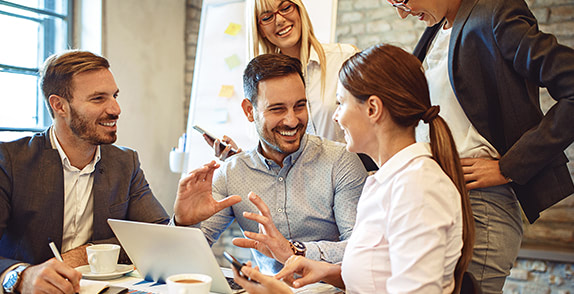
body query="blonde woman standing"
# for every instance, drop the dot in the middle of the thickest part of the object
(275, 26)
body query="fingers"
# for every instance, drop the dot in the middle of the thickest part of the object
(292, 265)
(263, 208)
(208, 139)
(230, 142)
(49, 276)
(244, 243)
(200, 174)
(227, 202)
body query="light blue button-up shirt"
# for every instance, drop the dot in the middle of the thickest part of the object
(312, 199)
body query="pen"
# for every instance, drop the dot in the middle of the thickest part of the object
(55, 250)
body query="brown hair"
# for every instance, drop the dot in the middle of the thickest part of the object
(267, 66)
(59, 69)
(397, 78)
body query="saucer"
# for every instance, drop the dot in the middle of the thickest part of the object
(121, 269)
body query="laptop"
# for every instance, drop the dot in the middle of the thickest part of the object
(159, 251)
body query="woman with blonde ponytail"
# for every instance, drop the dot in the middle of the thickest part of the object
(414, 229)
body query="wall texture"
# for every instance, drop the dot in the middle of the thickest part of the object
(143, 39)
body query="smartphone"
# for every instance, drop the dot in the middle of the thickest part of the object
(212, 137)
(236, 264)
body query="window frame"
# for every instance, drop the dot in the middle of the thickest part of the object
(48, 47)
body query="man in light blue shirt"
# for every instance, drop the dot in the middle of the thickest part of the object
(303, 189)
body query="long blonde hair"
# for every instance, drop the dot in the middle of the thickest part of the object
(396, 77)
(258, 45)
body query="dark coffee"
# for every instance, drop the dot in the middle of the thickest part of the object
(189, 281)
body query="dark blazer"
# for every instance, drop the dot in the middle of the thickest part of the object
(498, 59)
(32, 197)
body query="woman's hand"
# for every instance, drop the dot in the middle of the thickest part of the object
(300, 271)
(259, 283)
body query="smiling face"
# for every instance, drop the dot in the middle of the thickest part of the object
(351, 115)
(280, 115)
(432, 11)
(94, 110)
(285, 31)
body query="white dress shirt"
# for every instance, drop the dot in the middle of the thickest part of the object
(408, 233)
(469, 142)
(321, 109)
(78, 199)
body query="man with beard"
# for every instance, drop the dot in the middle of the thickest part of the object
(64, 183)
(303, 189)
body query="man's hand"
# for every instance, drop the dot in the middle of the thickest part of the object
(76, 257)
(222, 153)
(51, 276)
(309, 272)
(481, 173)
(269, 240)
(265, 284)
(194, 202)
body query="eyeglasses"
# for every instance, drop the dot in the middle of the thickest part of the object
(402, 5)
(285, 8)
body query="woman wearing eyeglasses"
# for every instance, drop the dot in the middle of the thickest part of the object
(485, 61)
(281, 26)
(277, 26)
(414, 230)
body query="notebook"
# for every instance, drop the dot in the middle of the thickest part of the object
(159, 251)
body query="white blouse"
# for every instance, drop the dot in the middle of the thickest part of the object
(321, 109)
(408, 233)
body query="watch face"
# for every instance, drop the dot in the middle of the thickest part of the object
(299, 245)
(9, 281)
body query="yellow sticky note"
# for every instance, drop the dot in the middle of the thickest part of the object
(226, 91)
(232, 61)
(233, 29)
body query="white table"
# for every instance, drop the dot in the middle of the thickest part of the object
(132, 281)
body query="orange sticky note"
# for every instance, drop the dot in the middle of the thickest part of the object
(226, 91)
(233, 29)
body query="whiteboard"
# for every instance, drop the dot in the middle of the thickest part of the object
(217, 87)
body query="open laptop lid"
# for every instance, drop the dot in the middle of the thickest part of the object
(159, 251)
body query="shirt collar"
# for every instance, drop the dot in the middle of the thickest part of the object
(313, 56)
(288, 160)
(402, 158)
(66, 161)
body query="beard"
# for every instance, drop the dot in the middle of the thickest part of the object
(88, 131)
(270, 139)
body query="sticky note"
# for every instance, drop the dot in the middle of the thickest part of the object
(226, 91)
(232, 61)
(233, 29)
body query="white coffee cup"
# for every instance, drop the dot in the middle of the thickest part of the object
(189, 284)
(103, 258)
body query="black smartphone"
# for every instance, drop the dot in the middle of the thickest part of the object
(212, 137)
(236, 264)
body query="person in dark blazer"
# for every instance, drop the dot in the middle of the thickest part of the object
(485, 61)
(65, 182)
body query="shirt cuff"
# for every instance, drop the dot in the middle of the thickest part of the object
(313, 251)
(172, 223)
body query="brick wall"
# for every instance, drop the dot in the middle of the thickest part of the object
(368, 22)
(193, 15)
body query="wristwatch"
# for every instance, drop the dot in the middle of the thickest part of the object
(298, 247)
(12, 279)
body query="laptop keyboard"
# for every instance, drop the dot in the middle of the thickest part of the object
(234, 286)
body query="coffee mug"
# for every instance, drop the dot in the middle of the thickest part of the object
(103, 258)
(188, 284)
